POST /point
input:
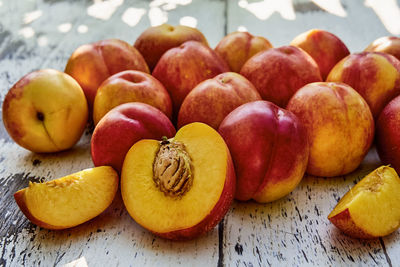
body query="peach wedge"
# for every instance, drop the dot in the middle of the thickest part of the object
(181, 187)
(371, 208)
(69, 201)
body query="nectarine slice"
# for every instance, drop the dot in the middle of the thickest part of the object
(70, 200)
(372, 207)
(180, 187)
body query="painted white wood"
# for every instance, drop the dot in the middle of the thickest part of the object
(291, 231)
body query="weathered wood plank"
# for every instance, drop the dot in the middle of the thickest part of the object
(113, 238)
(294, 230)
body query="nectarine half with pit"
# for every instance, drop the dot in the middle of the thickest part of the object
(69, 201)
(371, 208)
(181, 187)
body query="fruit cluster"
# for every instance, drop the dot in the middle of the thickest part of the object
(251, 120)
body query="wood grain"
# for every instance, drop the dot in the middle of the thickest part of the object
(293, 231)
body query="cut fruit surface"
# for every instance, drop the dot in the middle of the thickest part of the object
(70, 200)
(200, 205)
(372, 207)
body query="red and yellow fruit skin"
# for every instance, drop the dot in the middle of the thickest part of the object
(58, 98)
(237, 47)
(324, 47)
(155, 41)
(91, 64)
(269, 149)
(278, 73)
(388, 134)
(375, 76)
(388, 44)
(211, 100)
(217, 213)
(339, 124)
(130, 86)
(123, 126)
(181, 68)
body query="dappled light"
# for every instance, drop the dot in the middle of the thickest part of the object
(27, 32)
(332, 6)
(388, 12)
(32, 16)
(103, 9)
(132, 16)
(169, 4)
(157, 16)
(65, 27)
(242, 28)
(188, 21)
(42, 41)
(82, 29)
(81, 262)
(264, 9)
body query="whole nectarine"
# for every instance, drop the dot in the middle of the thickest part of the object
(269, 149)
(123, 126)
(339, 124)
(45, 111)
(155, 41)
(91, 64)
(278, 73)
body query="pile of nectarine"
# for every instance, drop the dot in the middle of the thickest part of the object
(189, 128)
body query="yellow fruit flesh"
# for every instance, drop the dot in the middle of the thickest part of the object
(73, 199)
(374, 203)
(161, 213)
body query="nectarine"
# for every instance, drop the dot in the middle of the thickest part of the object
(375, 76)
(269, 150)
(181, 68)
(130, 86)
(211, 100)
(155, 41)
(237, 47)
(371, 208)
(278, 73)
(340, 127)
(181, 187)
(91, 64)
(324, 47)
(123, 126)
(69, 201)
(45, 111)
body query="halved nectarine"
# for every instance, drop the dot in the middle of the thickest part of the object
(70, 200)
(181, 187)
(371, 208)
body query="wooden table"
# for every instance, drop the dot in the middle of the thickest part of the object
(288, 232)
